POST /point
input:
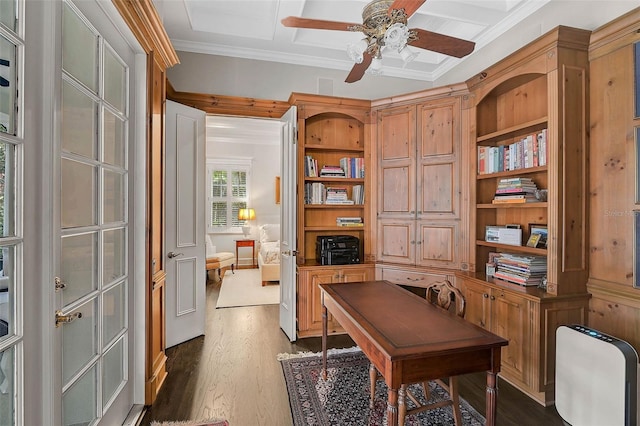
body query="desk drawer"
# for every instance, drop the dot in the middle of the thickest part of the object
(411, 278)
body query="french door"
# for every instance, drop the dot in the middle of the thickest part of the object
(93, 283)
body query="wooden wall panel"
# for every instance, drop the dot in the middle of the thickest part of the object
(615, 304)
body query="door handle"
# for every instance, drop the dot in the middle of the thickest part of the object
(171, 254)
(66, 319)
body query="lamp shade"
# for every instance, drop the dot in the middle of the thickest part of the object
(246, 214)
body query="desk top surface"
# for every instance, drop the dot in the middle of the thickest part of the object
(403, 323)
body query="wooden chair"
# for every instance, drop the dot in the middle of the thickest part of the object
(446, 296)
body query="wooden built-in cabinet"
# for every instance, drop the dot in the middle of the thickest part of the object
(330, 129)
(309, 296)
(542, 87)
(418, 182)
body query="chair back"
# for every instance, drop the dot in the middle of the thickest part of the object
(444, 294)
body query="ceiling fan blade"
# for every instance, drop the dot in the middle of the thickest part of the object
(409, 6)
(358, 69)
(318, 24)
(441, 43)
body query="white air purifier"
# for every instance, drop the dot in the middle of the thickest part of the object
(596, 378)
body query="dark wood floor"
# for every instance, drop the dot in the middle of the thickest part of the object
(232, 373)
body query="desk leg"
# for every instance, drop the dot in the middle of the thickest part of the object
(392, 407)
(324, 342)
(492, 399)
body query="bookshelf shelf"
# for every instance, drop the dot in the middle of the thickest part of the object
(538, 205)
(508, 173)
(510, 132)
(335, 180)
(515, 249)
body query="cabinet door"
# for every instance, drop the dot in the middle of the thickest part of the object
(438, 150)
(478, 304)
(511, 321)
(397, 241)
(397, 171)
(310, 302)
(354, 275)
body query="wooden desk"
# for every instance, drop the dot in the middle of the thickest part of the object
(410, 340)
(246, 243)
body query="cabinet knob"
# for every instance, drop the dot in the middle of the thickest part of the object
(481, 323)
(485, 295)
(493, 298)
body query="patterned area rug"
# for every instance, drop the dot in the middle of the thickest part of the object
(344, 397)
(193, 423)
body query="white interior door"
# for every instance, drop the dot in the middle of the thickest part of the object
(185, 226)
(288, 241)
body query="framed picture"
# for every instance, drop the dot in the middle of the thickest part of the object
(537, 235)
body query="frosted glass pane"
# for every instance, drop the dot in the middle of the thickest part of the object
(78, 194)
(115, 81)
(7, 387)
(79, 50)
(79, 122)
(114, 255)
(114, 140)
(7, 293)
(79, 341)
(8, 87)
(7, 190)
(9, 17)
(79, 402)
(113, 197)
(78, 265)
(113, 374)
(113, 309)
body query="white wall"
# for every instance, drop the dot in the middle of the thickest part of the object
(265, 166)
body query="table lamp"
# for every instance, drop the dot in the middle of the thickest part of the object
(246, 215)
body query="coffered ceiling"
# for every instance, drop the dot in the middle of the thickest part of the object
(252, 29)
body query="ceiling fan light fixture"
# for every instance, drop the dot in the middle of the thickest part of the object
(396, 36)
(376, 66)
(356, 50)
(408, 54)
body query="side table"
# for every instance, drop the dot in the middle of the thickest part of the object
(247, 243)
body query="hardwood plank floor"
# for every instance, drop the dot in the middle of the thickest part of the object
(232, 373)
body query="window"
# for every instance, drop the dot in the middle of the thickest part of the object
(227, 193)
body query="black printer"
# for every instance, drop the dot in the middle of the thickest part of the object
(337, 249)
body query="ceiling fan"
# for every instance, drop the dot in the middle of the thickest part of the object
(384, 23)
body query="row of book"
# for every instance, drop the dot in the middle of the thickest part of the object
(530, 151)
(318, 193)
(349, 167)
(515, 190)
(353, 166)
(524, 270)
(350, 221)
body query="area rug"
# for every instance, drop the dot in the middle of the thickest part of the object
(244, 288)
(343, 399)
(193, 423)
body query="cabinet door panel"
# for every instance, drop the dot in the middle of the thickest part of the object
(397, 188)
(396, 241)
(438, 185)
(437, 131)
(356, 275)
(436, 245)
(511, 321)
(317, 278)
(477, 305)
(397, 133)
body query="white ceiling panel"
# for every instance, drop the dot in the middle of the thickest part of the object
(252, 29)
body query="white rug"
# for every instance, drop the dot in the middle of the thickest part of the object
(244, 288)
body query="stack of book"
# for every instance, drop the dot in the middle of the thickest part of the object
(332, 171)
(525, 270)
(515, 190)
(357, 194)
(314, 193)
(310, 166)
(353, 167)
(337, 196)
(349, 221)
